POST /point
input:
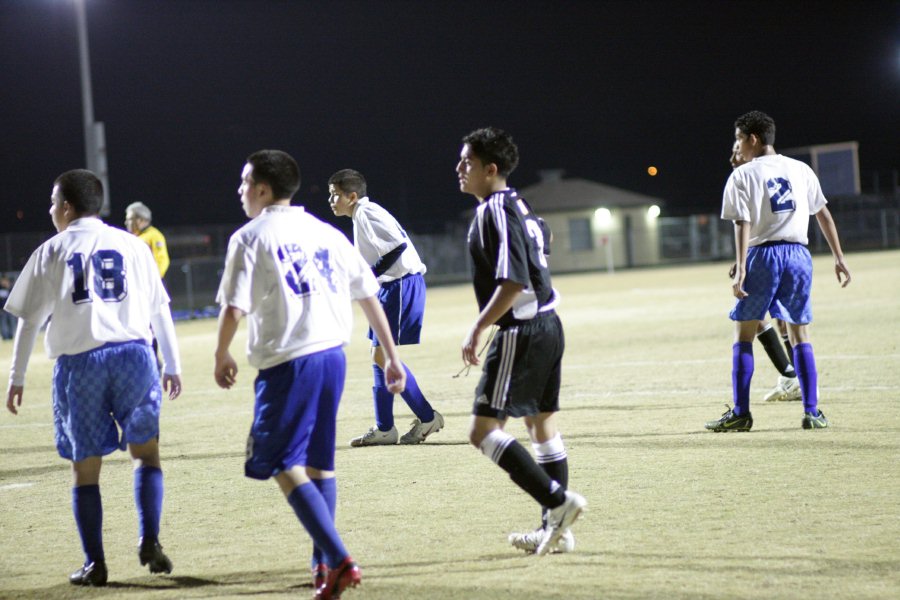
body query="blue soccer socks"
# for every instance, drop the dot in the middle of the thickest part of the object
(328, 489)
(805, 364)
(148, 496)
(312, 510)
(384, 401)
(415, 399)
(741, 374)
(88, 509)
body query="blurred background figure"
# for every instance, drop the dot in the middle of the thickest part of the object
(7, 321)
(138, 219)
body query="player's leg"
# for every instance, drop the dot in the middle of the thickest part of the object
(84, 432)
(87, 507)
(136, 401)
(773, 340)
(148, 498)
(405, 307)
(794, 298)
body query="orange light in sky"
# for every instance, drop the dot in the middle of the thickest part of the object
(652, 171)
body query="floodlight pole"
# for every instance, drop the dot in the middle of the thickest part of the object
(94, 132)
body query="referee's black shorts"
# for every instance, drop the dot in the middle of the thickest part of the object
(522, 370)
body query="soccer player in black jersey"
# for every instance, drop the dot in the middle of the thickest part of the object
(521, 373)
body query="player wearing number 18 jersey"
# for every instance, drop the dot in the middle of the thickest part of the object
(521, 376)
(294, 277)
(102, 291)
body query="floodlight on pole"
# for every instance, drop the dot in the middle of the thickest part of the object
(94, 132)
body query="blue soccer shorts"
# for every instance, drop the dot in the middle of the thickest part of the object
(403, 301)
(94, 391)
(778, 281)
(295, 416)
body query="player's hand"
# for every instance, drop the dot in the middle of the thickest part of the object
(226, 370)
(737, 284)
(394, 376)
(14, 398)
(470, 346)
(172, 384)
(841, 269)
(732, 271)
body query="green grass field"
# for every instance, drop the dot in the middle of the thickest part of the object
(675, 511)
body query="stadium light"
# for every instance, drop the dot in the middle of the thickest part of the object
(653, 212)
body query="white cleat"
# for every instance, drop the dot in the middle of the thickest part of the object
(375, 437)
(559, 519)
(421, 430)
(787, 389)
(530, 541)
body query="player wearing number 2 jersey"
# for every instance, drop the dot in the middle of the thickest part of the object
(294, 277)
(101, 289)
(521, 375)
(770, 200)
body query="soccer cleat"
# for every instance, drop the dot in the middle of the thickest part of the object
(319, 575)
(150, 553)
(375, 437)
(529, 541)
(817, 421)
(346, 574)
(421, 430)
(731, 422)
(559, 519)
(786, 390)
(93, 574)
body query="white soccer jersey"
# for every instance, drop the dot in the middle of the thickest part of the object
(376, 232)
(776, 195)
(99, 283)
(294, 276)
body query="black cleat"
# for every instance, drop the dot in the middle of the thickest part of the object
(150, 552)
(731, 422)
(814, 421)
(93, 573)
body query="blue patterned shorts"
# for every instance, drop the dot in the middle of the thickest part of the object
(779, 281)
(94, 391)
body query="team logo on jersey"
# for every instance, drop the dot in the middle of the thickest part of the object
(781, 195)
(304, 276)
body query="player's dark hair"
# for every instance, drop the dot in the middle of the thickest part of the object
(349, 181)
(759, 124)
(277, 169)
(82, 190)
(492, 145)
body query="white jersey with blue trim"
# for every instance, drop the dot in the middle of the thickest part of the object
(96, 283)
(295, 277)
(776, 195)
(376, 232)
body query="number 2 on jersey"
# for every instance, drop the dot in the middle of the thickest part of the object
(108, 276)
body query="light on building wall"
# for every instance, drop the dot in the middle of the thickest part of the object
(602, 218)
(653, 212)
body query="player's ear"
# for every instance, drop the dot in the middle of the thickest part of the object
(492, 169)
(352, 197)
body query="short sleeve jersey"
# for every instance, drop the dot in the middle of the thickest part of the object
(376, 232)
(99, 283)
(295, 277)
(154, 238)
(776, 195)
(506, 243)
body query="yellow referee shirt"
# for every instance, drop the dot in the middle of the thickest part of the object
(157, 242)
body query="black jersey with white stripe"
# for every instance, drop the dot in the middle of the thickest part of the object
(507, 242)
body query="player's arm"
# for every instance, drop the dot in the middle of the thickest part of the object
(829, 230)
(23, 346)
(387, 260)
(161, 254)
(164, 329)
(741, 245)
(394, 373)
(226, 368)
(501, 301)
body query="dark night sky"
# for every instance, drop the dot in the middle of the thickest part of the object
(188, 88)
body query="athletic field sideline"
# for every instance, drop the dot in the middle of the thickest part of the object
(675, 511)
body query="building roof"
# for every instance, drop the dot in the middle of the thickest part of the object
(560, 195)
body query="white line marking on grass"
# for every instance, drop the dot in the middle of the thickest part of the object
(15, 486)
(23, 425)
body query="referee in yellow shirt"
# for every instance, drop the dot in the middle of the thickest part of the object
(137, 220)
